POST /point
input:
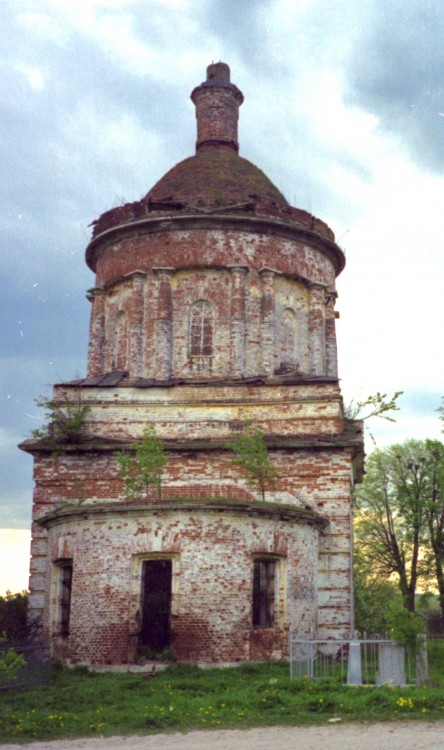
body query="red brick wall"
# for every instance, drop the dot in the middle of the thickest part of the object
(141, 323)
(165, 246)
(212, 606)
(212, 620)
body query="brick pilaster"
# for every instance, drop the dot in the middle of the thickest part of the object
(164, 323)
(268, 321)
(96, 363)
(237, 320)
(316, 328)
(331, 349)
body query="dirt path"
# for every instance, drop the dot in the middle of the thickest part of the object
(388, 736)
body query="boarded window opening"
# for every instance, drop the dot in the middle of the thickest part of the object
(64, 596)
(155, 629)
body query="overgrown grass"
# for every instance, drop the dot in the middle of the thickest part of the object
(79, 703)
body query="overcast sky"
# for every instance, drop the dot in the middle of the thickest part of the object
(344, 110)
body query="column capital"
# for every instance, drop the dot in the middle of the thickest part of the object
(318, 285)
(96, 291)
(330, 298)
(136, 275)
(267, 272)
(238, 269)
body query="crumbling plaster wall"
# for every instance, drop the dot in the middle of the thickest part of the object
(210, 410)
(211, 608)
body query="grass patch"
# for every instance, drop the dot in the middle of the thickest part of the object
(78, 703)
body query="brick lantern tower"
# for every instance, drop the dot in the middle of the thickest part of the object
(212, 310)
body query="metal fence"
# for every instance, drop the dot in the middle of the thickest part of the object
(373, 661)
(23, 663)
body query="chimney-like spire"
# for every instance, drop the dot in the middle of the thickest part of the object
(217, 104)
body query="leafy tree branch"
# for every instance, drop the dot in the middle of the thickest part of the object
(251, 455)
(146, 468)
(378, 405)
(64, 421)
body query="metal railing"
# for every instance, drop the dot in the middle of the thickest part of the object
(23, 663)
(372, 661)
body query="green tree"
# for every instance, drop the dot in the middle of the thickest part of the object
(251, 455)
(427, 605)
(372, 596)
(391, 521)
(13, 615)
(146, 468)
(433, 464)
(440, 411)
(405, 627)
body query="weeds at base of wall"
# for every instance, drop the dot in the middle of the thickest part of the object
(146, 654)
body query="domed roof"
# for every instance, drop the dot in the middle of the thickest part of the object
(216, 177)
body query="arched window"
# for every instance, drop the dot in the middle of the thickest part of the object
(200, 336)
(288, 341)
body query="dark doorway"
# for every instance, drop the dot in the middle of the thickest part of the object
(65, 586)
(156, 605)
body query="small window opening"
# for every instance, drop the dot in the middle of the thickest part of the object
(264, 574)
(64, 596)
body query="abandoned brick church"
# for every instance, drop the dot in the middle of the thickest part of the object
(212, 310)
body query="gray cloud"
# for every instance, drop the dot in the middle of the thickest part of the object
(396, 72)
(242, 25)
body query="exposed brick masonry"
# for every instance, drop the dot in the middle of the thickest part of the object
(217, 109)
(248, 314)
(213, 310)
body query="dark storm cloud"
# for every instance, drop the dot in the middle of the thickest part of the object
(60, 169)
(25, 377)
(64, 100)
(56, 129)
(396, 72)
